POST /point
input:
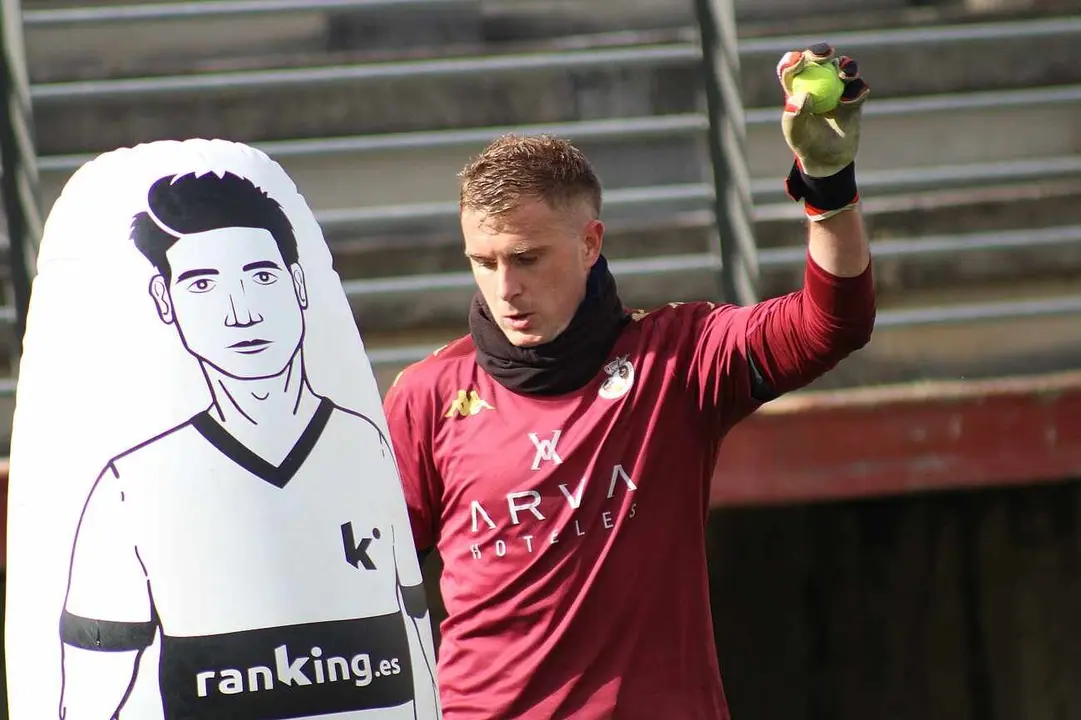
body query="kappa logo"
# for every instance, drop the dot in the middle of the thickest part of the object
(620, 378)
(546, 449)
(466, 404)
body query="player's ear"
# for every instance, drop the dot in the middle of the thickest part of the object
(299, 285)
(593, 241)
(159, 290)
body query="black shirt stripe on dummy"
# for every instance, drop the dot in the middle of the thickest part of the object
(289, 672)
(106, 635)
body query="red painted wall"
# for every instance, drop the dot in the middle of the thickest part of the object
(885, 441)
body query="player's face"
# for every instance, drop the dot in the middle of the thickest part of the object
(532, 267)
(236, 304)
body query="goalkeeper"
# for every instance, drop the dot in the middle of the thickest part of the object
(559, 457)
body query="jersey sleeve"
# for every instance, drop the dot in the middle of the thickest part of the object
(410, 425)
(746, 356)
(108, 605)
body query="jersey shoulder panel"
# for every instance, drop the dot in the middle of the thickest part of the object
(354, 423)
(441, 360)
(677, 312)
(672, 324)
(424, 377)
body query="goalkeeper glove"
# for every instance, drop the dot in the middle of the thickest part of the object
(823, 174)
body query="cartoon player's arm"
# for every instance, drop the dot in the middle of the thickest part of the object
(407, 567)
(108, 618)
(410, 581)
(415, 605)
(406, 562)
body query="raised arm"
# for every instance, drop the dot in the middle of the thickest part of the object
(808, 334)
(747, 356)
(839, 245)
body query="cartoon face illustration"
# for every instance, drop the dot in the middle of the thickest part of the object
(228, 272)
(236, 303)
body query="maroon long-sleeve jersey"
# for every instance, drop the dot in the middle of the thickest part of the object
(572, 528)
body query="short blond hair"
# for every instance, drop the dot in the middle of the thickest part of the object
(514, 169)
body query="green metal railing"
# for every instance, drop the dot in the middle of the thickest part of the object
(19, 181)
(732, 203)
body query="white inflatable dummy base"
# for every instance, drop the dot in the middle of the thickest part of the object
(206, 519)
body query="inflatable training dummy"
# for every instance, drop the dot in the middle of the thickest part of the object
(206, 520)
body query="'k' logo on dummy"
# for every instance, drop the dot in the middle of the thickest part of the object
(206, 516)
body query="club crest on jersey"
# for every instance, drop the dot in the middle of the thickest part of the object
(620, 378)
(466, 404)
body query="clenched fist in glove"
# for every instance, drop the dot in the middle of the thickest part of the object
(823, 175)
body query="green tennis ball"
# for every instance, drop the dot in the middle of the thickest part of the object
(822, 83)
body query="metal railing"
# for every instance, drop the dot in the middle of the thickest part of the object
(18, 155)
(732, 202)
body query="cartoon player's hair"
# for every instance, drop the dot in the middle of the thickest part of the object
(186, 204)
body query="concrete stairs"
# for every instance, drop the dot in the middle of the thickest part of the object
(371, 119)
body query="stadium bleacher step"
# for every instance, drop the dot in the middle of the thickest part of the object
(932, 59)
(356, 98)
(949, 157)
(363, 29)
(925, 132)
(1005, 207)
(926, 351)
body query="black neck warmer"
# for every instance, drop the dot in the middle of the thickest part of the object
(564, 364)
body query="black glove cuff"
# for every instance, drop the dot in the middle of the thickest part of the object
(825, 193)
